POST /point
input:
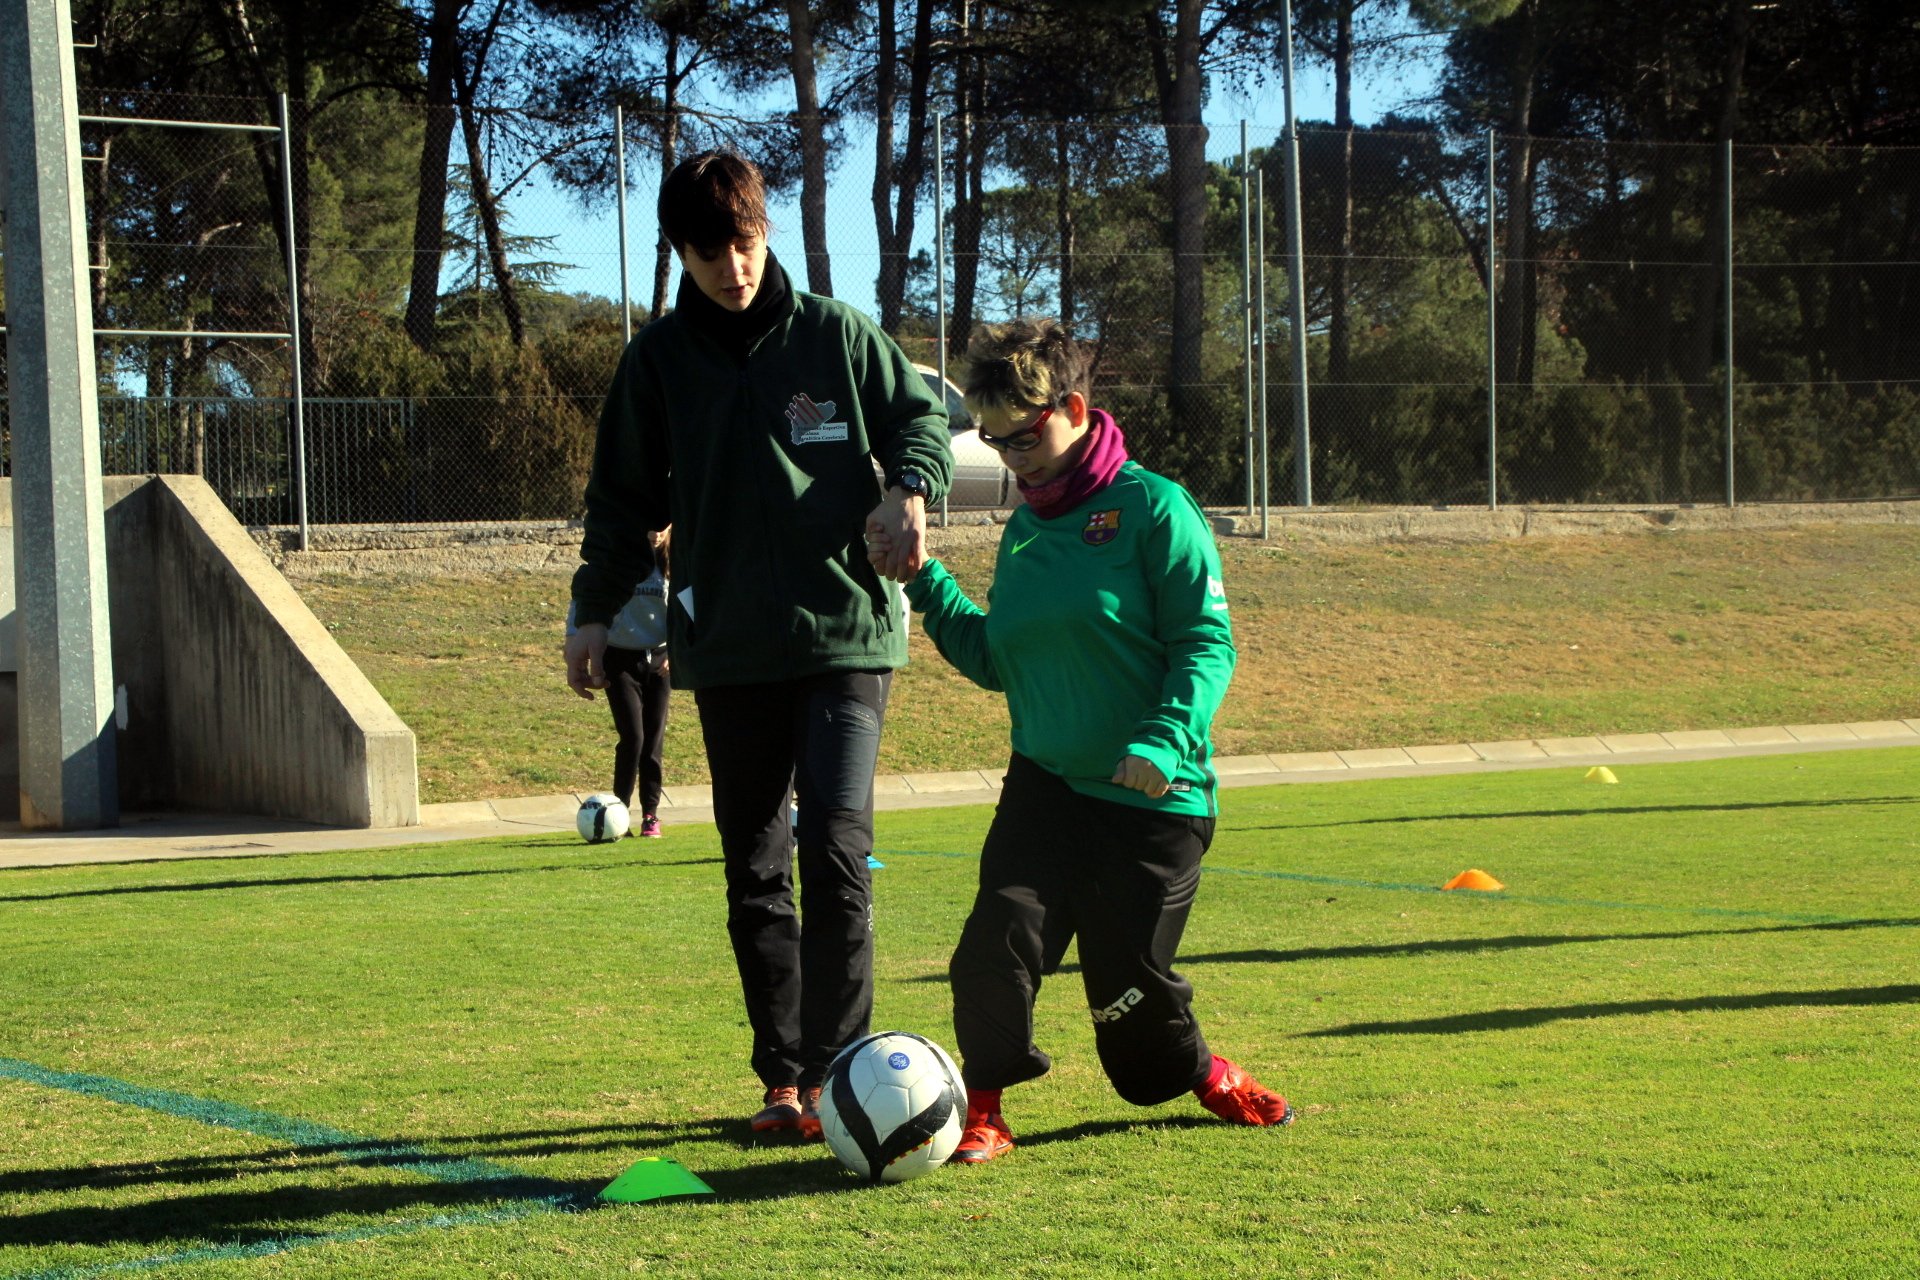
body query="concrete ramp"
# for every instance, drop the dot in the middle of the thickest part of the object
(232, 696)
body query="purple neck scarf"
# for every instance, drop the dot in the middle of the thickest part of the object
(1101, 454)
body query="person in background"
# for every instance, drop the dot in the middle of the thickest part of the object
(753, 416)
(639, 691)
(1108, 632)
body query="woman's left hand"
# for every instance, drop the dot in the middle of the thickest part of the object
(1141, 775)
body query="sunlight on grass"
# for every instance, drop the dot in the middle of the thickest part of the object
(1680, 1045)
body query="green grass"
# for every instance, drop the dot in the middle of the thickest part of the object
(1394, 644)
(1681, 1044)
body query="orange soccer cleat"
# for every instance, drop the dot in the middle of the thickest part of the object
(1234, 1095)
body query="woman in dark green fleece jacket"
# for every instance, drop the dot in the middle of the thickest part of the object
(1108, 632)
(750, 418)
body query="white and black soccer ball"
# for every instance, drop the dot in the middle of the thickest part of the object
(893, 1106)
(602, 818)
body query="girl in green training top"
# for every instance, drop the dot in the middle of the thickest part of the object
(1108, 632)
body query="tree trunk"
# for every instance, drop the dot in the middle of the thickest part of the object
(1514, 318)
(99, 216)
(1063, 220)
(886, 92)
(1339, 323)
(669, 157)
(489, 213)
(430, 210)
(299, 124)
(813, 148)
(911, 169)
(966, 194)
(1712, 281)
(1177, 64)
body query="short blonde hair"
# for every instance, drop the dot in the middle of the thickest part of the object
(1029, 363)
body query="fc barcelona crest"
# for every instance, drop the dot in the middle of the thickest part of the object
(1102, 527)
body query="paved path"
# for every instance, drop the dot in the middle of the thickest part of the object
(145, 837)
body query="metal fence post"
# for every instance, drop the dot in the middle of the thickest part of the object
(293, 316)
(620, 183)
(1260, 205)
(1493, 346)
(1726, 231)
(1246, 306)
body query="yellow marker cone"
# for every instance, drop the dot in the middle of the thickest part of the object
(1600, 773)
(1474, 878)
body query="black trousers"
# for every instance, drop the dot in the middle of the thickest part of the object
(639, 697)
(1057, 863)
(808, 975)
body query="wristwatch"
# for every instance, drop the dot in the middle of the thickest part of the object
(914, 483)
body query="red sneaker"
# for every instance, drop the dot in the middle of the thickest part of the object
(809, 1125)
(986, 1138)
(781, 1110)
(1238, 1097)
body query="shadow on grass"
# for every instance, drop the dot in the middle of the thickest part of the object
(1518, 942)
(271, 1213)
(1598, 811)
(1101, 1128)
(1468, 946)
(304, 1160)
(1519, 1019)
(281, 882)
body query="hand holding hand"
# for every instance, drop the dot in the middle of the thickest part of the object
(1141, 775)
(896, 535)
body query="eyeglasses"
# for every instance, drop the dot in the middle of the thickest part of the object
(1020, 441)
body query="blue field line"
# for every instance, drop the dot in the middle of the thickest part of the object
(509, 1212)
(1390, 886)
(350, 1148)
(523, 1194)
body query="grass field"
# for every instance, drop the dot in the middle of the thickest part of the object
(1340, 647)
(1682, 1043)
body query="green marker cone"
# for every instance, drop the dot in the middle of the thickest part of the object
(654, 1178)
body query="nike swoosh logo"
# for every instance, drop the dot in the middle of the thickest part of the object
(1016, 548)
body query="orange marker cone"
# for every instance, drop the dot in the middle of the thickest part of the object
(1474, 878)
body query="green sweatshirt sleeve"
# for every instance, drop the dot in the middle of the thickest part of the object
(627, 493)
(906, 422)
(954, 623)
(1191, 620)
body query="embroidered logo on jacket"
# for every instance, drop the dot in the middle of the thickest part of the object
(812, 423)
(1102, 527)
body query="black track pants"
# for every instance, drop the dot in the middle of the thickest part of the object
(639, 697)
(807, 976)
(1121, 878)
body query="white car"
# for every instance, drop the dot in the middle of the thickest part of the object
(979, 479)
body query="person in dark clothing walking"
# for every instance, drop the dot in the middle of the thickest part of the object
(1109, 635)
(640, 692)
(752, 417)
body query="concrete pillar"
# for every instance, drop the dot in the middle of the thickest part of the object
(68, 769)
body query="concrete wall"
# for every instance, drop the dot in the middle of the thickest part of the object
(235, 698)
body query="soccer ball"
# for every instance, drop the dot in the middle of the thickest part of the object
(892, 1106)
(602, 818)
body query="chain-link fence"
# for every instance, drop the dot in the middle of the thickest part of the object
(1605, 339)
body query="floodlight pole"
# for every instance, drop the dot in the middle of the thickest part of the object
(69, 758)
